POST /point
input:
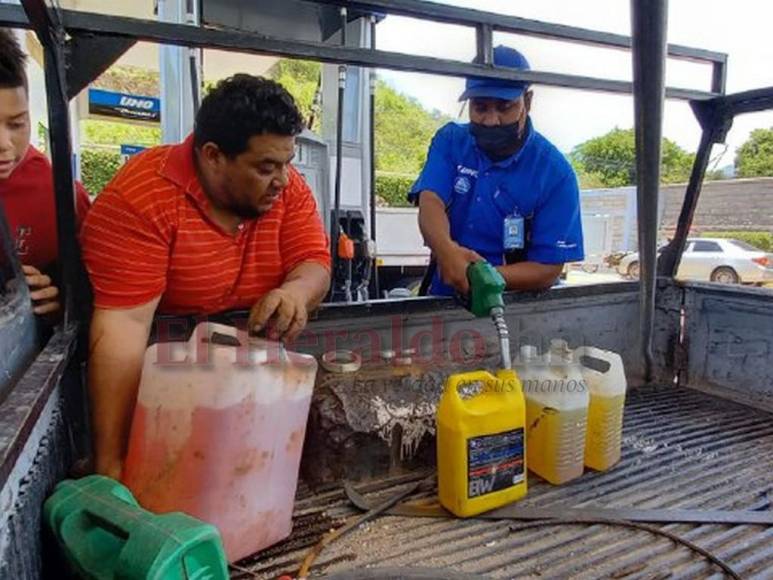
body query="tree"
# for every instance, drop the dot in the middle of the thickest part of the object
(610, 160)
(103, 132)
(755, 157)
(404, 130)
(301, 79)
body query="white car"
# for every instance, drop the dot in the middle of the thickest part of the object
(722, 260)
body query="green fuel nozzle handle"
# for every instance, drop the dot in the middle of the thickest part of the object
(486, 288)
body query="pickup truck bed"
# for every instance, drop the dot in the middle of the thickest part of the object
(681, 449)
(703, 439)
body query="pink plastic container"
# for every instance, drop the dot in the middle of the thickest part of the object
(218, 432)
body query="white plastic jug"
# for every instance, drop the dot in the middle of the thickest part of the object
(219, 436)
(556, 412)
(605, 376)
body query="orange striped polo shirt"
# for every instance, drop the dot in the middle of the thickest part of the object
(149, 234)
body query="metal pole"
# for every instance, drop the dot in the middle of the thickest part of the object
(719, 76)
(179, 74)
(484, 44)
(52, 36)
(372, 154)
(336, 229)
(648, 30)
(669, 260)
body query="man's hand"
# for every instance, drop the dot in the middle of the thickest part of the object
(285, 310)
(282, 311)
(452, 264)
(45, 296)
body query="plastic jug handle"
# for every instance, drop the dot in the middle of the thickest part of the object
(593, 359)
(455, 381)
(222, 334)
(117, 518)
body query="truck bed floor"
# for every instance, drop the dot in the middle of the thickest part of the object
(681, 449)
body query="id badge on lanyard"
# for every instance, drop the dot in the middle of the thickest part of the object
(514, 234)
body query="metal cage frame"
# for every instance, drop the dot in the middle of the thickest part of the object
(79, 46)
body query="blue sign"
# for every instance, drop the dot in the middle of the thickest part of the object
(129, 150)
(124, 105)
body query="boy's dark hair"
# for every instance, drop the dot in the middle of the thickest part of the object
(12, 57)
(241, 107)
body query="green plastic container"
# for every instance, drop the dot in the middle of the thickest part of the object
(104, 534)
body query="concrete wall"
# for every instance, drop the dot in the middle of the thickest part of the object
(737, 204)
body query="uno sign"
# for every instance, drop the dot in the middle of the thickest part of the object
(125, 106)
(136, 103)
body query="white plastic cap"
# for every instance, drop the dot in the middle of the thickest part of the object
(560, 351)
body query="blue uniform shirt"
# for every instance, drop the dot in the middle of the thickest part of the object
(537, 183)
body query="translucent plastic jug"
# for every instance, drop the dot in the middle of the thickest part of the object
(480, 442)
(604, 374)
(556, 412)
(219, 436)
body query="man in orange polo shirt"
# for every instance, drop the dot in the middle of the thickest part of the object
(222, 221)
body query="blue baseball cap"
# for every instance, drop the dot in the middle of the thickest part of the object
(498, 88)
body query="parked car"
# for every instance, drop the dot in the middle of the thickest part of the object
(726, 261)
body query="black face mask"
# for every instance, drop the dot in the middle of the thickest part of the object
(498, 142)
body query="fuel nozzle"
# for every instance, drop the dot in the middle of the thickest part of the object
(498, 316)
(485, 299)
(486, 288)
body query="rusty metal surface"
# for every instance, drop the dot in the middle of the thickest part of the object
(729, 335)
(373, 422)
(681, 449)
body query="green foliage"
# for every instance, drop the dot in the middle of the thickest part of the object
(404, 130)
(761, 240)
(611, 160)
(590, 180)
(130, 79)
(97, 132)
(393, 189)
(755, 157)
(676, 164)
(98, 168)
(301, 79)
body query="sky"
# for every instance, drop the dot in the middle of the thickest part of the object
(740, 28)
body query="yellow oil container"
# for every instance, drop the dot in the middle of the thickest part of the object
(556, 412)
(481, 448)
(605, 376)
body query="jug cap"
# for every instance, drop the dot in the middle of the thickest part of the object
(529, 352)
(560, 351)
